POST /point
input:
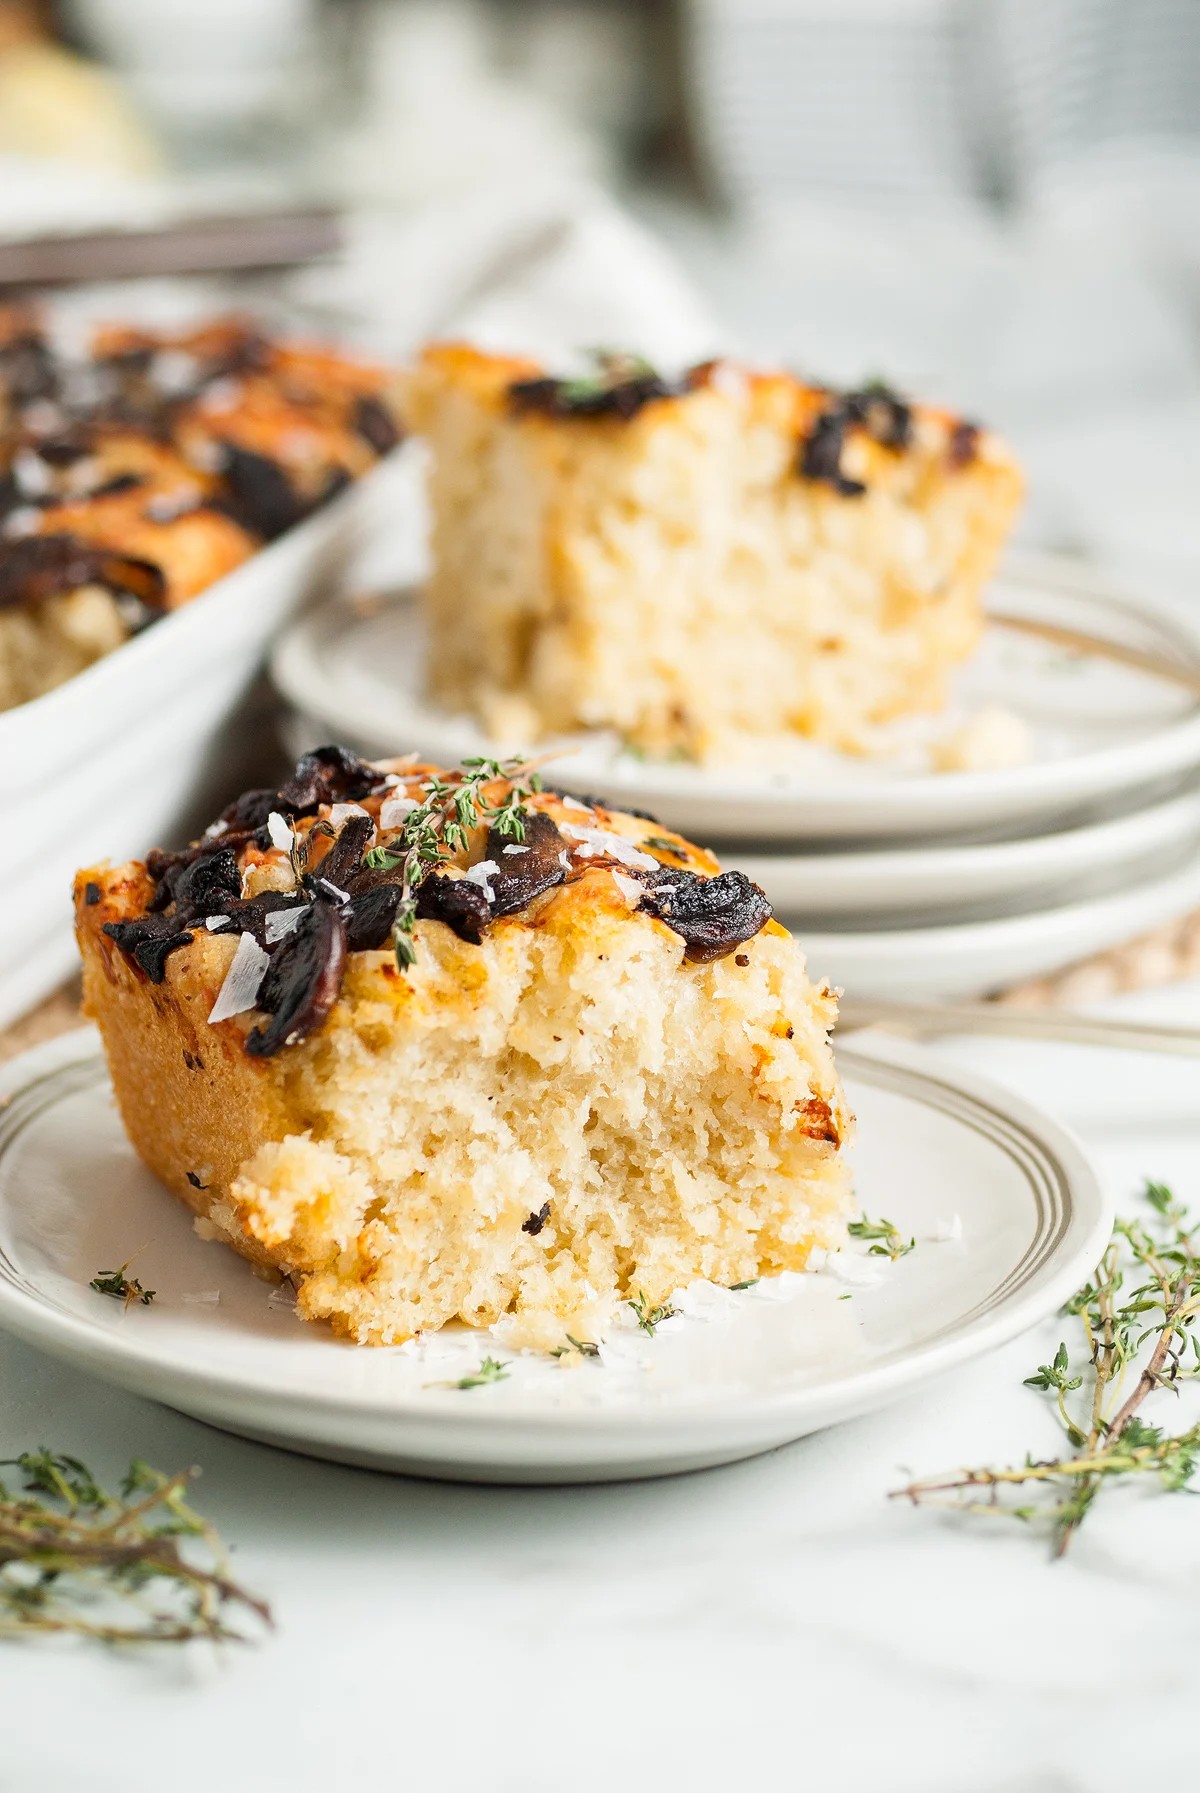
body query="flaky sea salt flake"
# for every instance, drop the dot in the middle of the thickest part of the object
(281, 835)
(240, 989)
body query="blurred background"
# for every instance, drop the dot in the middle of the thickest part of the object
(994, 202)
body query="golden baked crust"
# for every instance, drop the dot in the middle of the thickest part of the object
(700, 563)
(580, 1103)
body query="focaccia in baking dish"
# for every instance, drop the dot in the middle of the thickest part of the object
(137, 475)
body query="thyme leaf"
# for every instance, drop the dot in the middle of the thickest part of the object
(121, 1287)
(492, 1369)
(1137, 1321)
(889, 1242)
(649, 1316)
(441, 825)
(584, 1347)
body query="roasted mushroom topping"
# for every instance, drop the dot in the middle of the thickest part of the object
(149, 941)
(622, 385)
(250, 917)
(963, 445)
(525, 874)
(711, 915)
(27, 368)
(883, 413)
(375, 424)
(38, 567)
(166, 868)
(303, 980)
(458, 902)
(344, 857)
(249, 811)
(207, 886)
(370, 916)
(821, 454)
(885, 416)
(326, 775)
(261, 496)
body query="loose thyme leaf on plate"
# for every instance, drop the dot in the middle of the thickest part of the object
(889, 1242)
(492, 1369)
(138, 1567)
(121, 1287)
(1137, 1320)
(649, 1316)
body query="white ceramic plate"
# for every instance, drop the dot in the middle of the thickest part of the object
(979, 957)
(891, 883)
(1098, 728)
(115, 761)
(746, 1372)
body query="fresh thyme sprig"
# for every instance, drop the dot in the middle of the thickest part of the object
(138, 1567)
(650, 1316)
(121, 1287)
(1147, 1334)
(440, 826)
(889, 1242)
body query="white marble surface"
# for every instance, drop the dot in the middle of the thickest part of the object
(775, 1623)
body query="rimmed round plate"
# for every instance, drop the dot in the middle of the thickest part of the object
(1098, 728)
(971, 958)
(895, 881)
(738, 1372)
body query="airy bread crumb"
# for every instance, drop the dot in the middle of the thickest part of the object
(674, 575)
(537, 1126)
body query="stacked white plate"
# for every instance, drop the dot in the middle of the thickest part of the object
(899, 880)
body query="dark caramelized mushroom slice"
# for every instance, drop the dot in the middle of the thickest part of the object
(29, 369)
(963, 445)
(209, 884)
(821, 454)
(250, 917)
(37, 567)
(149, 941)
(883, 413)
(609, 393)
(370, 916)
(711, 915)
(457, 902)
(250, 810)
(302, 982)
(375, 424)
(259, 493)
(167, 868)
(523, 876)
(326, 775)
(344, 857)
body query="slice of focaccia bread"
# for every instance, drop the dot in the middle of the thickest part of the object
(442, 1045)
(699, 562)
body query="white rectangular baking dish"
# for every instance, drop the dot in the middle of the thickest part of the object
(120, 758)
